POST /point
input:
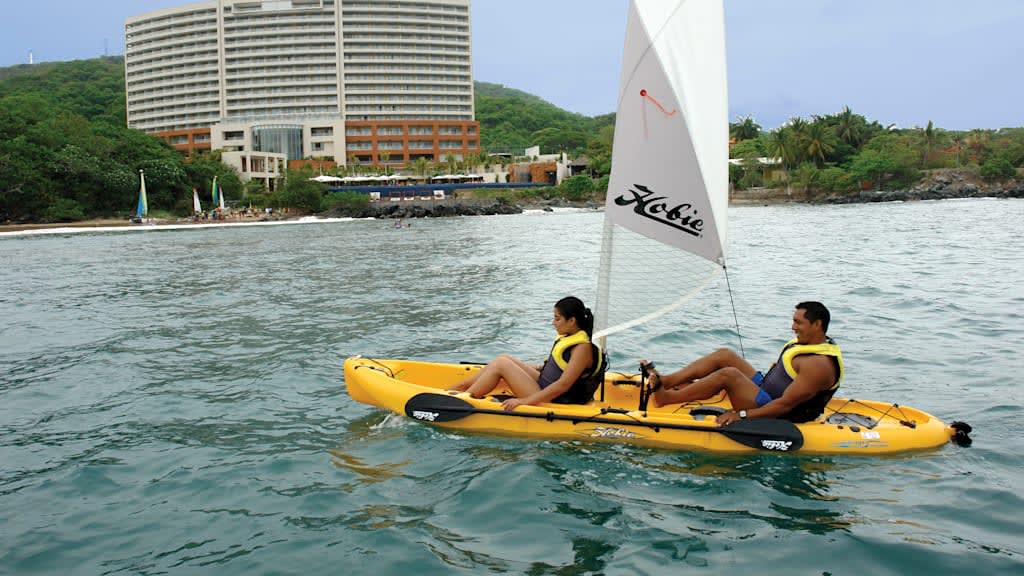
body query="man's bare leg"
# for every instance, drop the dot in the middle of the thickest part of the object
(706, 365)
(741, 390)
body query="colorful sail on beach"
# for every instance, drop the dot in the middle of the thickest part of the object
(215, 192)
(665, 214)
(143, 207)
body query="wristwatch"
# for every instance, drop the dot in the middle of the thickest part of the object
(743, 414)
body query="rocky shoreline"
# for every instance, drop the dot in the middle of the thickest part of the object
(443, 208)
(944, 184)
(940, 185)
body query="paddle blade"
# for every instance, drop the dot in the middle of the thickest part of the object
(766, 434)
(437, 407)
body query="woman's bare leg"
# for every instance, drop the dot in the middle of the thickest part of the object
(468, 381)
(519, 377)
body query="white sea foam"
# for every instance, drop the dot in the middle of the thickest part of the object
(156, 227)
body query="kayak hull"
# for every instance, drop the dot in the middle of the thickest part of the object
(847, 426)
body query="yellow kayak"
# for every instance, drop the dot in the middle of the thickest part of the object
(418, 390)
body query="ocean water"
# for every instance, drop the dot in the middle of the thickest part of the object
(172, 401)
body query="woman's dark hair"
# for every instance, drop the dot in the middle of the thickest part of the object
(815, 311)
(572, 307)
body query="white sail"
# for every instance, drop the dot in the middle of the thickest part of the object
(196, 206)
(668, 192)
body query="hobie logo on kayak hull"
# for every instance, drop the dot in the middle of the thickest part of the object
(780, 445)
(424, 415)
(647, 204)
(611, 432)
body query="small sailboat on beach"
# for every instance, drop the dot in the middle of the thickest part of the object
(218, 199)
(666, 210)
(142, 207)
(197, 208)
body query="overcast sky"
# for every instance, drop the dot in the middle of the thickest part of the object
(902, 62)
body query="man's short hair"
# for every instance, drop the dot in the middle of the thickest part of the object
(815, 311)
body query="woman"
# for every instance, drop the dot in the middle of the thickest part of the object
(564, 375)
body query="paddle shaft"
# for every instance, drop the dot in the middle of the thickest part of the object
(754, 433)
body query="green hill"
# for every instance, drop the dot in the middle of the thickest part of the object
(512, 119)
(65, 153)
(92, 89)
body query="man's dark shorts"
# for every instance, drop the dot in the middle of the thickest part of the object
(762, 396)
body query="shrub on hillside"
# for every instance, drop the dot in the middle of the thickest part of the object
(64, 210)
(835, 179)
(997, 169)
(578, 188)
(347, 201)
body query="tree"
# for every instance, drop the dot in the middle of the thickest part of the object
(751, 148)
(781, 145)
(422, 167)
(835, 179)
(978, 141)
(997, 169)
(299, 192)
(850, 127)
(818, 142)
(745, 129)
(202, 169)
(578, 188)
(804, 177)
(872, 165)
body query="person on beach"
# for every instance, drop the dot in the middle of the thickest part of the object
(796, 388)
(568, 376)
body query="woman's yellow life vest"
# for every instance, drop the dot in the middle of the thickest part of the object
(561, 350)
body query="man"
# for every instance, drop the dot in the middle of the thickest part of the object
(797, 387)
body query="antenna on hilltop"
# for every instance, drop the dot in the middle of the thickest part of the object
(105, 53)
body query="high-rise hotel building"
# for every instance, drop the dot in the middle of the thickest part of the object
(380, 81)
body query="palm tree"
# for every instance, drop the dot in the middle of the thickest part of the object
(471, 162)
(929, 142)
(745, 129)
(421, 166)
(798, 125)
(958, 145)
(818, 142)
(797, 137)
(782, 146)
(850, 127)
(451, 162)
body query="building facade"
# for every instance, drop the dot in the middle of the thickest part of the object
(370, 81)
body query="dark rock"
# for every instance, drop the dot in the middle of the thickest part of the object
(425, 210)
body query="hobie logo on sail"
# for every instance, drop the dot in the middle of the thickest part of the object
(647, 204)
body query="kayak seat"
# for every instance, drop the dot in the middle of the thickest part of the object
(851, 419)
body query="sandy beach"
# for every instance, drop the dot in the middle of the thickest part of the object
(115, 222)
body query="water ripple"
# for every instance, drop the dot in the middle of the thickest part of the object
(173, 402)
